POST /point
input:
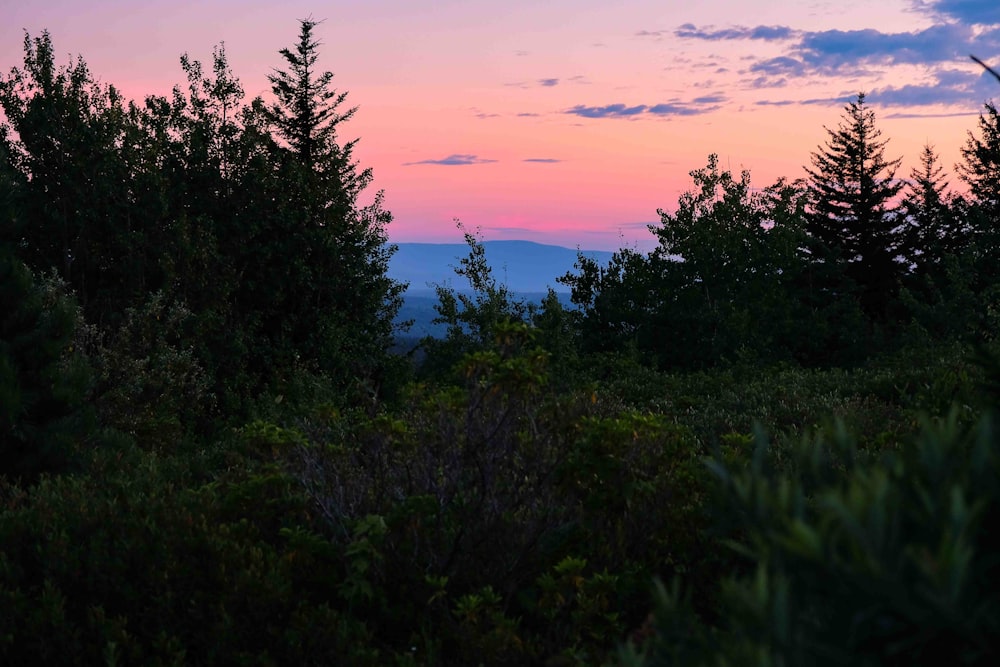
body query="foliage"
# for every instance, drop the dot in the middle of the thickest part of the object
(852, 558)
(209, 456)
(44, 379)
(472, 316)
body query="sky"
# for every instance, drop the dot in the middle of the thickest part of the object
(565, 121)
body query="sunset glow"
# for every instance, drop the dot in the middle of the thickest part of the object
(567, 121)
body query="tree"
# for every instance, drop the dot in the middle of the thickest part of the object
(936, 227)
(72, 139)
(44, 379)
(316, 279)
(980, 169)
(854, 231)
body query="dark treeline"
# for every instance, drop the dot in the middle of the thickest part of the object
(770, 440)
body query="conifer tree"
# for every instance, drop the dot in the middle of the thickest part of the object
(853, 227)
(331, 301)
(936, 227)
(980, 167)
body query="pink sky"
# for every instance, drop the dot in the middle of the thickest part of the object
(566, 121)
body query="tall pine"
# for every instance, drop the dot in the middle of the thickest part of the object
(854, 230)
(322, 271)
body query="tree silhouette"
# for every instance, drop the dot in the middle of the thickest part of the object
(852, 224)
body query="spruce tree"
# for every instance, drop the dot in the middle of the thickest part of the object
(936, 228)
(853, 227)
(980, 167)
(330, 301)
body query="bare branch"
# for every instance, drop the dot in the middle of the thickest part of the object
(986, 67)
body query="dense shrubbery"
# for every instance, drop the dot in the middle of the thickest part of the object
(210, 457)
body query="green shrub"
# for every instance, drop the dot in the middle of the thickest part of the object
(852, 559)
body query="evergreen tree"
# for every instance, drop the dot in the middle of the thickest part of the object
(936, 227)
(980, 168)
(320, 280)
(43, 377)
(854, 232)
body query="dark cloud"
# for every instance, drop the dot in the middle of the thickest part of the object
(543, 160)
(982, 12)
(548, 83)
(456, 160)
(762, 32)
(833, 49)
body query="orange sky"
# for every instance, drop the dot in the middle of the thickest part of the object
(566, 121)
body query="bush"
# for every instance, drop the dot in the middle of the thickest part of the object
(853, 559)
(44, 379)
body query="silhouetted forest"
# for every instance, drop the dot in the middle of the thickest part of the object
(771, 440)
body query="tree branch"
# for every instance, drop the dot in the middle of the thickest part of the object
(986, 67)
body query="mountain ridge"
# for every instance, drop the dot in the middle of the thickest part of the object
(524, 266)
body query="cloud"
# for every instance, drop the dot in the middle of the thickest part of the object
(780, 66)
(528, 114)
(960, 28)
(545, 83)
(608, 111)
(761, 32)
(709, 99)
(903, 115)
(678, 110)
(456, 160)
(833, 49)
(699, 105)
(946, 88)
(982, 12)
(543, 160)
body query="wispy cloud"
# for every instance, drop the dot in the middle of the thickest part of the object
(699, 105)
(607, 111)
(962, 27)
(548, 83)
(946, 88)
(456, 160)
(761, 32)
(543, 160)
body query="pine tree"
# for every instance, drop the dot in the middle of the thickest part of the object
(980, 168)
(852, 223)
(329, 300)
(935, 225)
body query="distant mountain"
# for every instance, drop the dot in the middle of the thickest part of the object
(524, 266)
